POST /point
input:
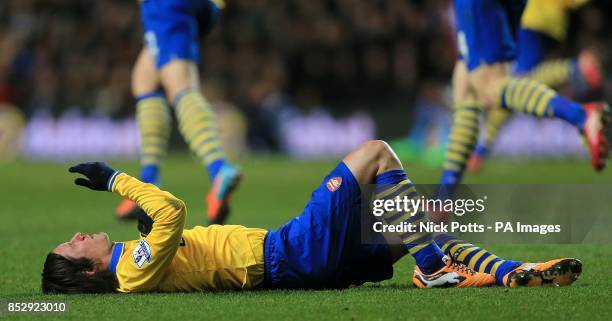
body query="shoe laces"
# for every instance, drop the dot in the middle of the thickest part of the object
(462, 267)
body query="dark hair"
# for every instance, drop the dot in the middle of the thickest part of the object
(64, 275)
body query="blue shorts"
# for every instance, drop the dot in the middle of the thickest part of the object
(533, 47)
(486, 30)
(173, 27)
(321, 248)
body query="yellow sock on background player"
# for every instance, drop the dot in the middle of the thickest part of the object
(198, 126)
(590, 119)
(553, 73)
(154, 126)
(543, 27)
(584, 76)
(463, 138)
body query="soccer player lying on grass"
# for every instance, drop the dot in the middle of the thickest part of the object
(321, 248)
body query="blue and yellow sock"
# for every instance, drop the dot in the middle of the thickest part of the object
(462, 140)
(199, 128)
(154, 124)
(530, 97)
(553, 73)
(495, 119)
(475, 258)
(421, 246)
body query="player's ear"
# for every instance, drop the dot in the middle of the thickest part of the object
(90, 272)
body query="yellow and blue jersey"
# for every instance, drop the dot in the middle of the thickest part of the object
(549, 16)
(321, 248)
(171, 258)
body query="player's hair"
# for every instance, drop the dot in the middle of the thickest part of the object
(64, 275)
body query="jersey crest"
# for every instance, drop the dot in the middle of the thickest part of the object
(142, 253)
(334, 183)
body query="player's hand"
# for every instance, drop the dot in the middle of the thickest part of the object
(98, 175)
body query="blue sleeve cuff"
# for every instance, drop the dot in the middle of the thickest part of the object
(111, 181)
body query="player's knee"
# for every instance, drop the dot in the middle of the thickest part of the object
(381, 153)
(370, 159)
(485, 99)
(487, 82)
(376, 148)
(461, 83)
(177, 76)
(172, 91)
(144, 76)
(142, 86)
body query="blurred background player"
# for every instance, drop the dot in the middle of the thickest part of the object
(166, 71)
(481, 79)
(544, 26)
(428, 136)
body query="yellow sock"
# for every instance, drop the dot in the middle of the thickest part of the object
(198, 126)
(494, 121)
(527, 96)
(154, 124)
(476, 258)
(405, 188)
(463, 136)
(553, 73)
(419, 243)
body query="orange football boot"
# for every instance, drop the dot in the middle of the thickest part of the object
(126, 210)
(557, 272)
(452, 275)
(475, 163)
(218, 198)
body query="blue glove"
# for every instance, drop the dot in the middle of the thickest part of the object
(100, 177)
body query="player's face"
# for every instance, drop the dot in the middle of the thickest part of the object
(92, 246)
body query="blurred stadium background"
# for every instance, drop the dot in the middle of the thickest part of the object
(283, 76)
(306, 79)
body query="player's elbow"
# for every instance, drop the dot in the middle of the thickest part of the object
(177, 205)
(174, 210)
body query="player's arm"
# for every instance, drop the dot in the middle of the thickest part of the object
(155, 251)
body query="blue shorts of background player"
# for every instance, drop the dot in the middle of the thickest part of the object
(533, 48)
(486, 30)
(321, 248)
(173, 27)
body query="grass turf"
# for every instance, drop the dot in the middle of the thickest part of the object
(41, 208)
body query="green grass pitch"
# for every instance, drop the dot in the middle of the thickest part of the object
(40, 207)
